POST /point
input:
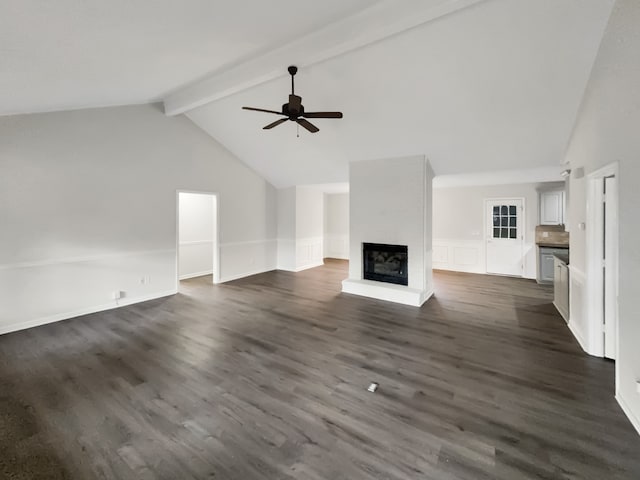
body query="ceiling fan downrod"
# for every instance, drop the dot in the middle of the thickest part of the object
(292, 71)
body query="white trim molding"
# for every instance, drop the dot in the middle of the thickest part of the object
(187, 276)
(68, 288)
(459, 255)
(14, 327)
(635, 421)
(81, 259)
(336, 246)
(577, 318)
(245, 258)
(238, 276)
(594, 301)
(195, 242)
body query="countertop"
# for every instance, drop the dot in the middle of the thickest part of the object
(563, 257)
(553, 245)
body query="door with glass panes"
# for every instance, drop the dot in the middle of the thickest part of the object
(504, 236)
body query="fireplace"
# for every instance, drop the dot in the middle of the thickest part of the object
(385, 263)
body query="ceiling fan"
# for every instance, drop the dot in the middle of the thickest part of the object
(294, 110)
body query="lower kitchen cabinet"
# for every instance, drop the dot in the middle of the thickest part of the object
(546, 268)
(561, 287)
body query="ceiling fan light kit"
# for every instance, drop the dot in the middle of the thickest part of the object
(294, 110)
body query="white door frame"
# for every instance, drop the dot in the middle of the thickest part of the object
(216, 237)
(487, 232)
(594, 249)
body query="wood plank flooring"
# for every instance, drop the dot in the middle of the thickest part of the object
(266, 377)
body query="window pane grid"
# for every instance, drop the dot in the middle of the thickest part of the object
(505, 221)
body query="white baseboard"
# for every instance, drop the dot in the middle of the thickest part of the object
(238, 276)
(14, 327)
(635, 421)
(562, 314)
(285, 268)
(196, 274)
(310, 265)
(576, 333)
(299, 269)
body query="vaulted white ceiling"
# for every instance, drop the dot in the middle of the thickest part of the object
(491, 87)
(68, 54)
(475, 85)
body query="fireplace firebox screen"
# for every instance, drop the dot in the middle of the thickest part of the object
(385, 263)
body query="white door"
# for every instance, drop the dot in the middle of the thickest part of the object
(610, 265)
(504, 236)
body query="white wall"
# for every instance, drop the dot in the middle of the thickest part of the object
(309, 227)
(287, 229)
(459, 220)
(88, 206)
(300, 228)
(607, 131)
(196, 234)
(336, 225)
(390, 203)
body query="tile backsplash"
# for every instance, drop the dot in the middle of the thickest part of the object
(552, 235)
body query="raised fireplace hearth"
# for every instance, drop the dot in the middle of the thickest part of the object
(385, 263)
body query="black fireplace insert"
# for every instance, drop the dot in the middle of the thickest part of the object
(385, 263)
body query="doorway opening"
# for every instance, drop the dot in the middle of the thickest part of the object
(504, 236)
(602, 258)
(197, 236)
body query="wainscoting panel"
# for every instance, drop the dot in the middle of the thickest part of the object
(578, 320)
(336, 246)
(241, 259)
(466, 256)
(440, 254)
(195, 258)
(69, 287)
(287, 254)
(36, 293)
(459, 255)
(309, 252)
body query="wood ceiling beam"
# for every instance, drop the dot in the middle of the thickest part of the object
(382, 20)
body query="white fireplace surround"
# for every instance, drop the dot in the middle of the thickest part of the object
(390, 202)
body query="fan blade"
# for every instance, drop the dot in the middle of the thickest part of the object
(275, 124)
(308, 125)
(295, 102)
(322, 114)
(262, 110)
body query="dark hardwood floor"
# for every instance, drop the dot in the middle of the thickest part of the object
(266, 377)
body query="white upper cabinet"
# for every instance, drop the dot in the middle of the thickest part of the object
(552, 207)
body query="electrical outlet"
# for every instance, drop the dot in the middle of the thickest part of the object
(117, 294)
(545, 234)
(638, 386)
